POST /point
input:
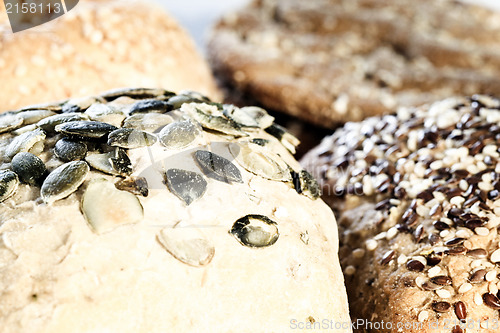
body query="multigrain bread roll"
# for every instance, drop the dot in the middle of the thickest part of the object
(331, 61)
(417, 199)
(146, 211)
(98, 45)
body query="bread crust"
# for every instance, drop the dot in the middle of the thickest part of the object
(135, 245)
(97, 46)
(416, 194)
(328, 62)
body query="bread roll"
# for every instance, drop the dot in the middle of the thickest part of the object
(328, 62)
(98, 45)
(417, 199)
(145, 211)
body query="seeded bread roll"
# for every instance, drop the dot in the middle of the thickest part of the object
(332, 61)
(144, 211)
(417, 199)
(96, 46)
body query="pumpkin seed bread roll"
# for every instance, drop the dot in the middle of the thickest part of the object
(417, 197)
(98, 45)
(141, 210)
(332, 61)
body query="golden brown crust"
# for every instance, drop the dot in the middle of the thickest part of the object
(98, 45)
(334, 61)
(417, 198)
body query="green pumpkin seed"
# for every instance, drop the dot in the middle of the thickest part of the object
(64, 180)
(8, 184)
(186, 185)
(106, 208)
(30, 168)
(32, 141)
(131, 138)
(187, 245)
(255, 231)
(217, 167)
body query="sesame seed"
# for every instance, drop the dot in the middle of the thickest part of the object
(492, 287)
(380, 236)
(423, 316)
(457, 201)
(358, 253)
(464, 288)
(443, 293)
(439, 196)
(485, 186)
(478, 300)
(490, 276)
(421, 259)
(476, 263)
(434, 271)
(350, 270)
(422, 211)
(482, 231)
(419, 281)
(444, 233)
(495, 256)
(391, 233)
(402, 259)
(463, 185)
(371, 244)
(463, 233)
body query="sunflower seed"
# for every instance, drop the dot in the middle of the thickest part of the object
(34, 116)
(134, 185)
(30, 168)
(150, 105)
(147, 121)
(287, 140)
(136, 93)
(217, 167)
(9, 122)
(105, 207)
(48, 124)
(8, 184)
(186, 185)
(67, 150)
(32, 141)
(179, 135)
(260, 161)
(131, 138)
(249, 116)
(255, 231)
(210, 117)
(187, 245)
(81, 104)
(63, 181)
(105, 113)
(85, 129)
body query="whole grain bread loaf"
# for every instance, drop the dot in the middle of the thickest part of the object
(331, 61)
(141, 210)
(417, 197)
(98, 45)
